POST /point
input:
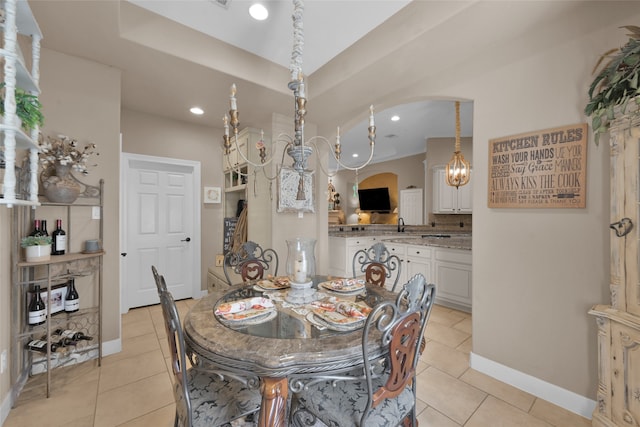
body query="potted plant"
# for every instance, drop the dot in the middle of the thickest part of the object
(37, 248)
(616, 84)
(28, 108)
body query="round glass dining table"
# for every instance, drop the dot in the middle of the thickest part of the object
(283, 351)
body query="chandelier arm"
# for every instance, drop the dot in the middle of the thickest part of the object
(351, 168)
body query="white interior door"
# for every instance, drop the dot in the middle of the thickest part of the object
(162, 228)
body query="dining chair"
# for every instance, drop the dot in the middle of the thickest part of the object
(251, 262)
(203, 398)
(377, 264)
(385, 392)
(161, 284)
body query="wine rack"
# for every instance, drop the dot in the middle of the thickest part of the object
(84, 268)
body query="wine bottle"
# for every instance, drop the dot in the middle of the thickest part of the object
(36, 228)
(41, 346)
(72, 300)
(59, 237)
(72, 335)
(61, 341)
(37, 309)
(43, 227)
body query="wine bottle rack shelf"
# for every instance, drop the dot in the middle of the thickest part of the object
(29, 367)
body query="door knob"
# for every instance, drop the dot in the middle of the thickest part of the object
(188, 239)
(123, 253)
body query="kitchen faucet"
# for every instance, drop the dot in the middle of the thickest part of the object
(400, 225)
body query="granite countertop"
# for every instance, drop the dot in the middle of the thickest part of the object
(424, 237)
(462, 241)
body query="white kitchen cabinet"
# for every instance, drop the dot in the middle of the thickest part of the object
(448, 199)
(411, 206)
(418, 260)
(400, 250)
(342, 250)
(452, 276)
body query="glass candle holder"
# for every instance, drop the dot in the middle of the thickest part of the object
(301, 262)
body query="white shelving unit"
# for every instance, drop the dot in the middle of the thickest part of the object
(18, 19)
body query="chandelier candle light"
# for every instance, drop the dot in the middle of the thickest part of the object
(296, 147)
(458, 169)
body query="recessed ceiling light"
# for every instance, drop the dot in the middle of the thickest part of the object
(258, 12)
(395, 118)
(197, 111)
(354, 155)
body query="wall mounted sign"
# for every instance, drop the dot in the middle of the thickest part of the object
(212, 195)
(542, 169)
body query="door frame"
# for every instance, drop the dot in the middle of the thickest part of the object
(125, 159)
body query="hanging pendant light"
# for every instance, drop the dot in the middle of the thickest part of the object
(458, 170)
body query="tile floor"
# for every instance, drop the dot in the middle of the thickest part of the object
(133, 387)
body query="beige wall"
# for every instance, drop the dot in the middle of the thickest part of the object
(157, 136)
(80, 99)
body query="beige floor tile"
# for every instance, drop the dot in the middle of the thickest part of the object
(466, 346)
(125, 371)
(138, 328)
(135, 346)
(497, 413)
(68, 405)
(445, 358)
(445, 335)
(448, 395)
(162, 417)
(509, 394)
(464, 325)
(432, 418)
(446, 316)
(557, 416)
(134, 400)
(135, 315)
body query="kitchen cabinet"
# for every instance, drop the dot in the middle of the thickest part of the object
(85, 268)
(448, 199)
(19, 187)
(401, 251)
(418, 260)
(342, 250)
(452, 276)
(618, 333)
(411, 206)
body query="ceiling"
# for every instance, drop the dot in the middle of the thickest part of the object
(176, 54)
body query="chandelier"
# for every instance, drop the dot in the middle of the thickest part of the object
(458, 170)
(299, 149)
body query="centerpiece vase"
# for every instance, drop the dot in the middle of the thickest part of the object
(59, 186)
(301, 267)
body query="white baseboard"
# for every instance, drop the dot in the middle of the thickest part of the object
(566, 399)
(5, 408)
(111, 347)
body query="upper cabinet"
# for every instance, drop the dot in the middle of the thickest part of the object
(18, 187)
(448, 199)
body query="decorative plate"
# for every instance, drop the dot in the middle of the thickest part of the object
(274, 284)
(344, 285)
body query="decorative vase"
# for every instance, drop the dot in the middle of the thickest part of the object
(301, 267)
(38, 253)
(59, 186)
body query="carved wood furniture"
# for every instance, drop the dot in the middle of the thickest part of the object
(203, 397)
(251, 262)
(618, 394)
(377, 264)
(285, 352)
(383, 393)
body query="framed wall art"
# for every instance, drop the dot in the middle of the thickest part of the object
(212, 195)
(289, 184)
